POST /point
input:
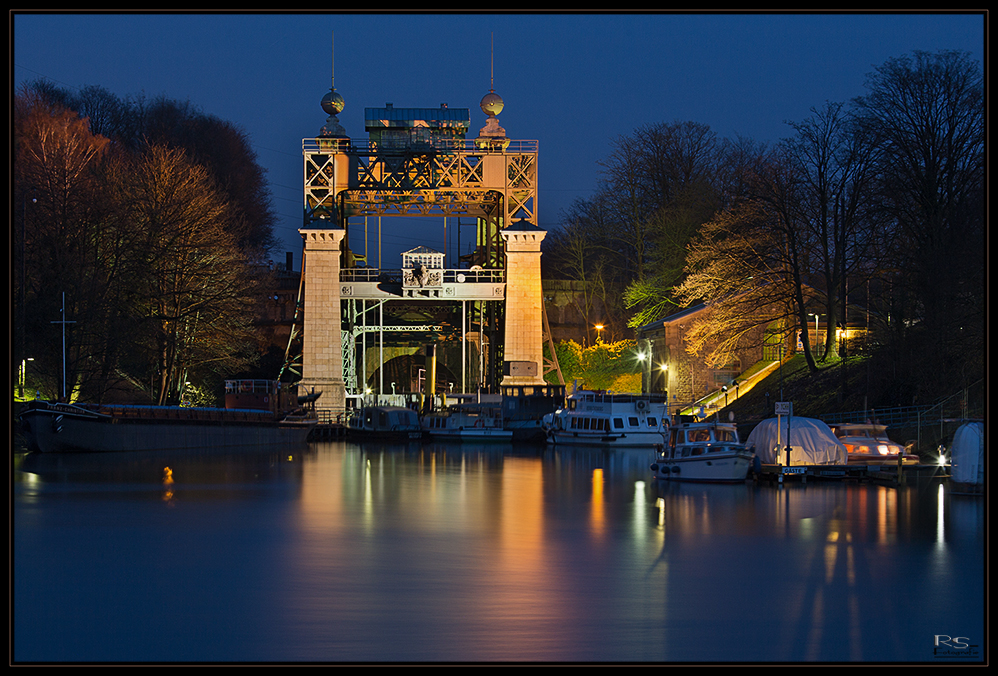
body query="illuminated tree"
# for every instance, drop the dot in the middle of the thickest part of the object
(157, 267)
(737, 266)
(196, 296)
(57, 243)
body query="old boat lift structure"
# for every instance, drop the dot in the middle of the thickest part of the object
(363, 329)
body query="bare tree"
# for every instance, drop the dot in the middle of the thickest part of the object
(197, 295)
(925, 115)
(834, 170)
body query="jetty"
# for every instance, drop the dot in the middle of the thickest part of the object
(887, 474)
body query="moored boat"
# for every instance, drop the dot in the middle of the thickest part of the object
(267, 413)
(868, 444)
(467, 422)
(591, 418)
(524, 408)
(703, 451)
(385, 422)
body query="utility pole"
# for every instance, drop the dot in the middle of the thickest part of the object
(63, 321)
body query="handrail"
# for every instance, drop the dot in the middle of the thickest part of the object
(365, 148)
(464, 276)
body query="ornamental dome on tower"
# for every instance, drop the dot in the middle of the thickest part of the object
(332, 103)
(491, 104)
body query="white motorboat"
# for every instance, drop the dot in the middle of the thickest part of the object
(703, 451)
(607, 420)
(868, 444)
(467, 422)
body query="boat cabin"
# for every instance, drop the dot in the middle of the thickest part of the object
(260, 395)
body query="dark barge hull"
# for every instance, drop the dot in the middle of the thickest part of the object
(68, 428)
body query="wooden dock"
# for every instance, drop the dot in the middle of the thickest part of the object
(881, 474)
(327, 431)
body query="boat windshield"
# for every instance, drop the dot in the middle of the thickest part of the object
(722, 434)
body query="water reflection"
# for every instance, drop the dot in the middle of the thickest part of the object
(448, 552)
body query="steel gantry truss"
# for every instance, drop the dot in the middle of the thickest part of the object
(494, 181)
(450, 179)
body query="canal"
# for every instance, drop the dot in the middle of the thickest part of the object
(430, 552)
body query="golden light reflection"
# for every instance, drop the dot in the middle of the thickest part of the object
(167, 484)
(598, 508)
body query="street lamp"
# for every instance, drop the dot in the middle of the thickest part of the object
(20, 380)
(598, 327)
(816, 315)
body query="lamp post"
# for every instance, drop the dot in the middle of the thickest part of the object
(63, 321)
(599, 328)
(816, 315)
(20, 380)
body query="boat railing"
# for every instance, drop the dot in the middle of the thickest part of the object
(620, 397)
(335, 416)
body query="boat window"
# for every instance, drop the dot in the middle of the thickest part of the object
(585, 423)
(618, 423)
(652, 421)
(632, 421)
(697, 435)
(697, 450)
(686, 451)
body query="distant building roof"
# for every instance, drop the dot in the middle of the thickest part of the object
(659, 323)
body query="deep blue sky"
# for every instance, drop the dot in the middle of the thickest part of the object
(573, 82)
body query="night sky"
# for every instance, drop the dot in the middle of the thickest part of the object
(573, 82)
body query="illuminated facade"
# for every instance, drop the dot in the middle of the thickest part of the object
(487, 310)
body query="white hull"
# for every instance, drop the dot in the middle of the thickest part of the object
(469, 422)
(648, 440)
(703, 451)
(603, 420)
(715, 467)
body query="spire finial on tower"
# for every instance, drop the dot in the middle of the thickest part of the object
(332, 103)
(492, 135)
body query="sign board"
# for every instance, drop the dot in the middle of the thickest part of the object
(784, 408)
(522, 368)
(794, 470)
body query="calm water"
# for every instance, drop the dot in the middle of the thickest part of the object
(443, 552)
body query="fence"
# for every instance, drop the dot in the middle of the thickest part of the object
(930, 421)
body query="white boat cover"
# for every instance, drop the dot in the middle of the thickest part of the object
(967, 454)
(811, 442)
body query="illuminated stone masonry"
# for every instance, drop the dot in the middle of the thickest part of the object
(417, 162)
